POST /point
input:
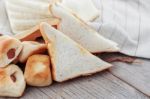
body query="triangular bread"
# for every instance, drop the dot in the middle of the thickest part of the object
(79, 31)
(85, 9)
(68, 58)
(26, 14)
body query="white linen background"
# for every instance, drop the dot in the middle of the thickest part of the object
(123, 21)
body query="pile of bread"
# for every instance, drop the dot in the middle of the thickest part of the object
(57, 49)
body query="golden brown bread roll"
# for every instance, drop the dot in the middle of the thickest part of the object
(37, 70)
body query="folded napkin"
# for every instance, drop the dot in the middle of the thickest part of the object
(124, 21)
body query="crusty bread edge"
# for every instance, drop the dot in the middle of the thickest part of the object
(54, 67)
(34, 31)
(49, 45)
(86, 73)
(23, 36)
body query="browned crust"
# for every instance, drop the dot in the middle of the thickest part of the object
(29, 70)
(4, 77)
(85, 74)
(105, 52)
(43, 34)
(52, 59)
(50, 51)
(29, 36)
(40, 50)
(5, 43)
(35, 32)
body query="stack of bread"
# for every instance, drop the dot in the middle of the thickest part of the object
(57, 48)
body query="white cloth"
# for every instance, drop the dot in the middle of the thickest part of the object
(4, 22)
(127, 23)
(123, 21)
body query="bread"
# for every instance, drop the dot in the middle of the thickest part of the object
(37, 70)
(30, 48)
(9, 50)
(79, 31)
(24, 15)
(12, 82)
(84, 9)
(30, 35)
(69, 59)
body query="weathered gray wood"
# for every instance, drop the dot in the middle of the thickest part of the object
(34, 93)
(137, 74)
(101, 85)
(31, 93)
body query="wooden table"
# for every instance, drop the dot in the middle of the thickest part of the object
(123, 81)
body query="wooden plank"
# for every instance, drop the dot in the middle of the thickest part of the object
(100, 85)
(137, 74)
(31, 93)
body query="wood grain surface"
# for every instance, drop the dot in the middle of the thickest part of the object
(99, 86)
(137, 74)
